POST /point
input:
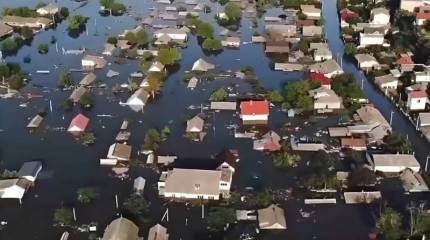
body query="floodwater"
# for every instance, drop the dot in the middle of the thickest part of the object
(68, 165)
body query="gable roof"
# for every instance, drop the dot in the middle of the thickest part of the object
(272, 217)
(202, 65)
(79, 121)
(158, 232)
(193, 181)
(418, 94)
(195, 124)
(254, 107)
(88, 79)
(321, 78)
(121, 228)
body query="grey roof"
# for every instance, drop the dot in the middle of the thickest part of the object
(193, 181)
(195, 124)
(370, 115)
(35, 121)
(412, 181)
(272, 217)
(326, 67)
(317, 45)
(88, 79)
(385, 79)
(224, 106)
(121, 229)
(202, 65)
(424, 118)
(192, 83)
(5, 29)
(30, 169)
(365, 58)
(158, 232)
(407, 160)
(140, 94)
(309, 31)
(77, 94)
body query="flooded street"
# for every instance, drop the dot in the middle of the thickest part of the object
(68, 165)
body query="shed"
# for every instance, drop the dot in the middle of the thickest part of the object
(272, 217)
(35, 121)
(192, 83)
(139, 185)
(202, 65)
(30, 170)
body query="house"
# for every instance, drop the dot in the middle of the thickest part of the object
(272, 217)
(35, 121)
(311, 31)
(410, 5)
(178, 35)
(254, 112)
(50, 9)
(16, 21)
(289, 67)
(323, 80)
(422, 77)
(78, 124)
(166, 160)
(373, 124)
(121, 229)
(220, 106)
(393, 163)
(367, 62)
(423, 124)
(30, 170)
(13, 188)
(380, 16)
(281, 30)
(194, 184)
(202, 66)
(422, 17)
(277, 46)
(417, 100)
(387, 81)
(268, 142)
(271, 19)
(305, 22)
(123, 44)
(109, 49)
(311, 11)
(119, 151)
(367, 39)
(158, 232)
(139, 185)
(322, 54)
(156, 67)
(329, 68)
(163, 40)
(5, 30)
(139, 98)
(412, 181)
(362, 197)
(192, 83)
(195, 125)
(356, 144)
(93, 62)
(325, 99)
(77, 94)
(406, 63)
(88, 79)
(346, 15)
(233, 42)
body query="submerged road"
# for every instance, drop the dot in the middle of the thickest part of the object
(400, 123)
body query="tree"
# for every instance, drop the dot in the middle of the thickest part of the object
(422, 224)
(204, 29)
(169, 56)
(350, 49)
(136, 204)
(65, 80)
(285, 160)
(233, 11)
(87, 139)
(390, 223)
(113, 6)
(112, 40)
(131, 37)
(16, 82)
(396, 143)
(86, 101)
(77, 21)
(141, 37)
(26, 32)
(10, 44)
(154, 83)
(275, 96)
(87, 195)
(426, 25)
(212, 44)
(152, 139)
(296, 95)
(362, 177)
(43, 48)
(67, 105)
(219, 95)
(64, 12)
(63, 216)
(346, 86)
(223, 2)
(219, 217)
(260, 199)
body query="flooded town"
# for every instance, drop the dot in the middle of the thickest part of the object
(214, 119)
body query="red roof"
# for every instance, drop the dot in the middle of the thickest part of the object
(254, 107)
(418, 94)
(346, 13)
(423, 15)
(79, 121)
(321, 78)
(405, 60)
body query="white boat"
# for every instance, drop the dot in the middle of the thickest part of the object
(43, 71)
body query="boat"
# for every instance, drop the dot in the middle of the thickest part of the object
(43, 71)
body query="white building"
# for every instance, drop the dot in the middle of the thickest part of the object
(13, 188)
(417, 100)
(367, 61)
(176, 34)
(325, 99)
(329, 68)
(367, 39)
(380, 16)
(387, 81)
(410, 5)
(254, 112)
(422, 77)
(322, 54)
(49, 9)
(393, 163)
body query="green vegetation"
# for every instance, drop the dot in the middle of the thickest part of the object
(43, 48)
(26, 32)
(64, 13)
(154, 137)
(169, 56)
(87, 195)
(6, 174)
(324, 167)
(211, 44)
(9, 45)
(12, 74)
(88, 139)
(139, 37)
(113, 6)
(275, 96)
(53, 39)
(63, 216)
(219, 217)
(362, 177)
(397, 143)
(390, 223)
(67, 105)
(223, 2)
(233, 11)
(346, 86)
(86, 101)
(204, 29)
(136, 205)
(155, 83)
(350, 49)
(65, 80)
(296, 96)
(260, 199)
(77, 22)
(421, 225)
(286, 160)
(19, 11)
(219, 95)
(112, 40)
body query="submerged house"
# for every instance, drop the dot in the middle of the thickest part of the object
(393, 163)
(30, 170)
(277, 47)
(13, 188)
(413, 181)
(5, 30)
(88, 79)
(156, 67)
(195, 125)
(202, 66)
(78, 124)
(77, 93)
(121, 229)
(158, 232)
(50, 9)
(233, 42)
(254, 112)
(272, 217)
(268, 142)
(329, 68)
(119, 151)
(35, 121)
(138, 99)
(16, 21)
(93, 62)
(325, 99)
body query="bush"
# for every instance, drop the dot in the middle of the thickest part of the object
(20, 11)
(86, 101)
(77, 21)
(275, 96)
(63, 216)
(16, 82)
(219, 95)
(204, 29)
(169, 56)
(87, 195)
(43, 48)
(64, 13)
(219, 217)
(10, 44)
(212, 44)
(88, 139)
(136, 204)
(350, 49)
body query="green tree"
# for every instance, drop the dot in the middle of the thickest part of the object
(205, 30)
(87, 139)
(350, 49)
(390, 223)
(212, 44)
(233, 11)
(43, 48)
(362, 177)
(260, 199)
(86, 101)
(154, 82)
(296, 95)
(63, 216)
(16, 82)
(421, 224)
(219, 95)
(87, 195)
(275, 96)
(26, 32)
(118, 8)
(112, 40)
(286, 160)
(65, 80)
(397, 143)
(64, 12)
(10, 44)
(141, 37)
(131, 37)
(169, 56)
(219, 217)
(77, 21)
(152, 139)
(136, 204)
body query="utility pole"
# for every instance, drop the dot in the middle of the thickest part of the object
(391, 118)
(427, 164)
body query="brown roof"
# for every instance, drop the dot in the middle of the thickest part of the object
(5, 29)
(277, 47)
(353, 142)
(306, 22)
(122, 151)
